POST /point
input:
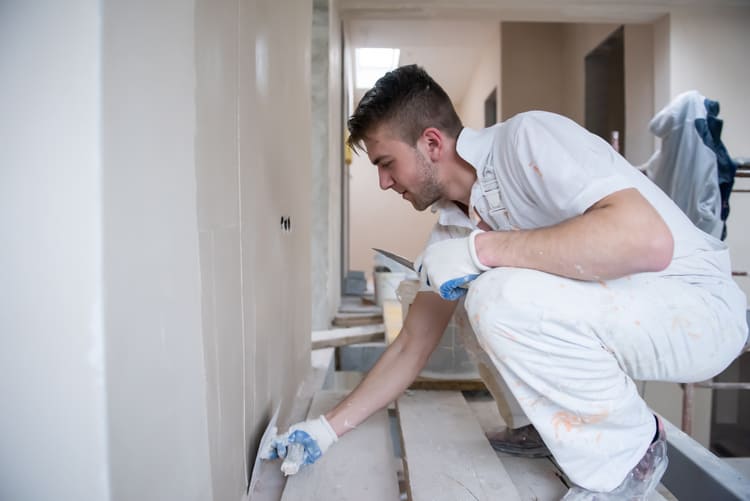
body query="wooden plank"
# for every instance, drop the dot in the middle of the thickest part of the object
(535, 478)
(446, 455)
(424, 383)
(360, 466)
(351, 335)
(359, 305)
(355, 319)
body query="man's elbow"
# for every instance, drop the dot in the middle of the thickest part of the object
(660, 250)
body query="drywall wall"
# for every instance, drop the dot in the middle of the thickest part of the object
(327, 151)
(484, 79)
(381, 218)
(156, 376)
(257, 346)
(53, 433)
(158, 311)
(275, 178)
(226, 329)
(532, 68)
(208, 307)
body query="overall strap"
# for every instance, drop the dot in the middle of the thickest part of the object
(491, 188)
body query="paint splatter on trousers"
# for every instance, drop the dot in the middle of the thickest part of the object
(568, 352)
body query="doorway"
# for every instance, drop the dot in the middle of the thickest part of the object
(605, 90)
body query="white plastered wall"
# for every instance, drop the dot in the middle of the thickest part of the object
(485, 78)
(209, 306)
(532, 68)
(53, 431)
(157, 416)
(154, 312)
(253, 169)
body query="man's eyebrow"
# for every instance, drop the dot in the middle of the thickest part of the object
(379, 159)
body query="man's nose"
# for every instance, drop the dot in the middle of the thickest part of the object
(386, 181)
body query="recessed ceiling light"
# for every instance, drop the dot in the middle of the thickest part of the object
(372, 64)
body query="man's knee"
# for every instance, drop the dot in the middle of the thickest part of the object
(497, 297)
(498, 287)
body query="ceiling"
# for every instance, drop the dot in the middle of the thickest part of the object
(523, 10)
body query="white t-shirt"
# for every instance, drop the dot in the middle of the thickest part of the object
(550, 169)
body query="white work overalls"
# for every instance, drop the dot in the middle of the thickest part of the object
(565, 352)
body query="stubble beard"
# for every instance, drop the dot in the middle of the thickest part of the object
(430, 190)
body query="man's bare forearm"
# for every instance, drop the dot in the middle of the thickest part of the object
(620, 235)
(398, 366)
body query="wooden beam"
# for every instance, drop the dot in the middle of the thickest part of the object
(423, 383)
(350, 335)
(446, 454)
(355, 319)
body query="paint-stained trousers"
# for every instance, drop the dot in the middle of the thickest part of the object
(568, 351)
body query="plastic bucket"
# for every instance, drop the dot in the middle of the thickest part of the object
(386, 283)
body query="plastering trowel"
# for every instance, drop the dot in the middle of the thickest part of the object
(410, 264)
(399, 259)
(265, 442)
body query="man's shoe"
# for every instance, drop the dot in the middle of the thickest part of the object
(523, 442)
(640, 482)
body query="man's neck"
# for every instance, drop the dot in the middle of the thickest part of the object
(459, 178)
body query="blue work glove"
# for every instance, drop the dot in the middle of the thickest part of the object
(448, 266)
(313, 438)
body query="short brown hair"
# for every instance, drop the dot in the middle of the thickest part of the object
(410, 101)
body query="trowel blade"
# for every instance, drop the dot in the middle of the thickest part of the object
(399, 259)
(268, 435)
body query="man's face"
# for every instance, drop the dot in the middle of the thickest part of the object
(403, 168)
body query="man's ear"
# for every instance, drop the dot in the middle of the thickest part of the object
(434, 143)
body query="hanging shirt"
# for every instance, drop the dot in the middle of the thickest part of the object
(693, 166)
